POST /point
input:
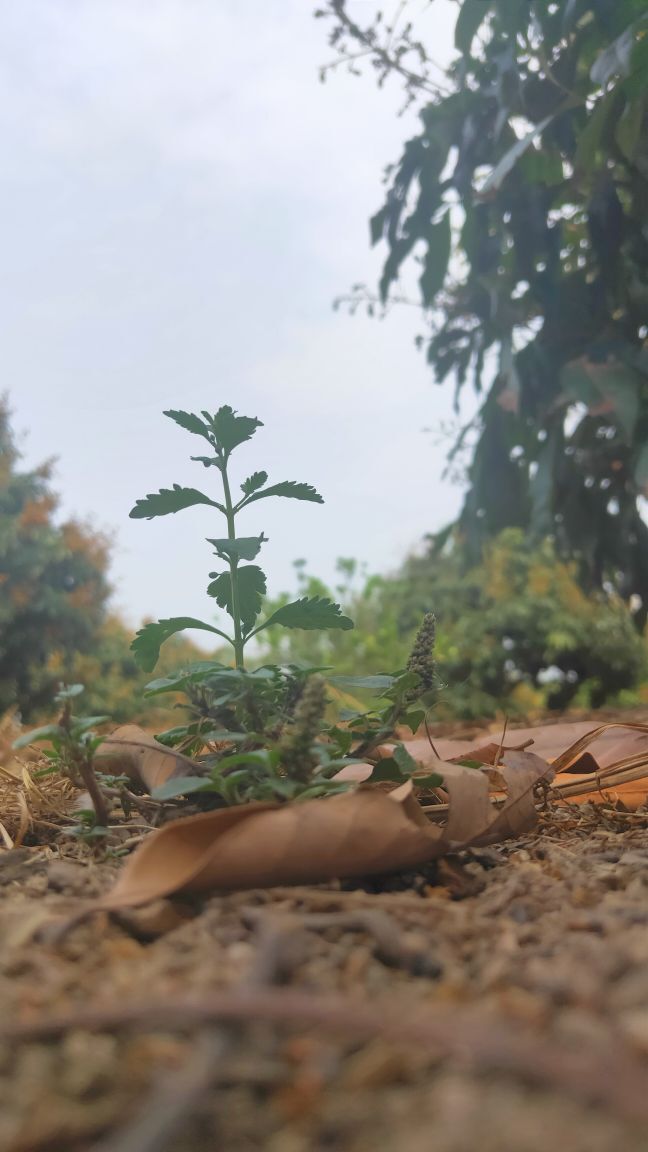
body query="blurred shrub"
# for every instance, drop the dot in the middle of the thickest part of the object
(515, 634)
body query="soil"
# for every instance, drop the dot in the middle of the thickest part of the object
(495, 1000)
(498, 1000)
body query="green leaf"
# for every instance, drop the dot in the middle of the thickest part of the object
(47, 732)
(609, 387)
(309, 613)
(628, 133)
(231, 430)
(85, 723)
(508, 161)
(243, 548)
(439, 239)
(148, 641)
(615, 60)
(69, 691)
(191, 422)
(288, 488)
(181, 786)
(471, 16)
(373, 683)
(179, 681)
(377, 224)
(387, 770)
(254, 482)
(433, 780)
(169, 500)
(595, 131)
(251, 589)
(641, 471)
(405, 761)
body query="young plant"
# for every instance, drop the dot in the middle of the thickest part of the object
(263, 733)
(73, 745)
(240, 588)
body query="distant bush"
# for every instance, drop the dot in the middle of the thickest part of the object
(515, 634)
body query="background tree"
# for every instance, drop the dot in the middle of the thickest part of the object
(524, 199)
(53, 585)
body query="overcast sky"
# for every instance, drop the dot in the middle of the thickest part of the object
(181, 202)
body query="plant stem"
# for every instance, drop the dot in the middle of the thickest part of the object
(233, 565)
(87, 774)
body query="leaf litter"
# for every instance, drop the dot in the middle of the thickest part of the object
(469, 963)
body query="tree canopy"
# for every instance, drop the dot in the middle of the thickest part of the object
(53, 585)
(524, 199)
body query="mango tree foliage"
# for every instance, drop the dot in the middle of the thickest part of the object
(523, 196)
(53, 586)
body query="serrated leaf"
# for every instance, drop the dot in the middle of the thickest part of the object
(148, 641)
(251, 588)
(169, 500)
(242, 548)
(231, 430)
(439, 238)
(47, 732)
(191, 422)
(254, 482)
(310, 613)
(290, 489)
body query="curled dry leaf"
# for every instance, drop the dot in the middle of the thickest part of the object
(607, 763)
(361, 833)
(133, 752)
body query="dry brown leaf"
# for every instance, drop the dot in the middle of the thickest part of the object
(604, 763)
(357, 834)
(133, 752)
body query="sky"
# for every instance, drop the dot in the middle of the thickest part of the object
(182, 200)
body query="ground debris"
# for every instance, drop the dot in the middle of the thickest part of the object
(499, 1002)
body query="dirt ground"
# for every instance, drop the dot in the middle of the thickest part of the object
(497, 1001)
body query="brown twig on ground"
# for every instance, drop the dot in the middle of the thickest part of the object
(605, 1074)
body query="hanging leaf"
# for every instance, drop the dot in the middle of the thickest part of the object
(288, 488)
(169, 500)
(243, 548)
(439, 238)
(316, 612)
(470, 19)
(508, 161)
(252, 589)
(231, 430)
(615, 59)
(148, 641)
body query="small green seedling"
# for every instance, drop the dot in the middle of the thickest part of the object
(241, 587)
(264, 734)
(73, 745)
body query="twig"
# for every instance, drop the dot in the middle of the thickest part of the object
(606, 1074)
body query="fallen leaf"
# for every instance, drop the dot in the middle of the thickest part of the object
(133, 752)
(359, 833)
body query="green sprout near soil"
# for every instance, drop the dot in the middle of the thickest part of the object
(265, 733)
(71, 747)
